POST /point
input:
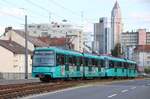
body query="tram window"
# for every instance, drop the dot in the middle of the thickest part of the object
(90, 68)
(127, 65)
(74, 60)
(111, 64)
(115, 64)
(78, 68)
(115, 69)
(119, 64)
(123, 70)
(102, 64)
(86, 61)
(70, 60)
(80, 61)
(90, 62)
(67, 68)
(60, 59)
(96, 63)
(99, 69)
(123, 64)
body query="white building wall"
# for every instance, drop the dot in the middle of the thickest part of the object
(13, 63)
(142, 58)
(6, 60)
(18, 39)
(58, 30)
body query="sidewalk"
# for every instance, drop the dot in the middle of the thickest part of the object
(19, 81)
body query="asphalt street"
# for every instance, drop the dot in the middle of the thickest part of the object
(133, 89)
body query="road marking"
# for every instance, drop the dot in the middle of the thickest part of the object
(112, 95)
(133, 87)
(124, 91)
(148, 84)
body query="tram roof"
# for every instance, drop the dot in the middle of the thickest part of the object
(129, 61)
(93, 56)
(115, 59)
(59, 50)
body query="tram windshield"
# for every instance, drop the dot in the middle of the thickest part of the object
(43, 58)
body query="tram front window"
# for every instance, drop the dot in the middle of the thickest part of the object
(43, 58)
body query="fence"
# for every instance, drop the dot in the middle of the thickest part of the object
(9, 76)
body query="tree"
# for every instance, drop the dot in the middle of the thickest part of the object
(147, 70)
(117, 50)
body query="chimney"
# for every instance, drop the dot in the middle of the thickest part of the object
(10, 39)
(8, 29)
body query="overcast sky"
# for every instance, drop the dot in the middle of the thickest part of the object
(135, 13)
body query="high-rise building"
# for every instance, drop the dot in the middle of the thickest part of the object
(130, 40)
(140, 37)
(116, 25)
(102, 39)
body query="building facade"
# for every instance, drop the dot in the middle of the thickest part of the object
(58, 30)
(130, 40)
(87, 41)
(116, 25)
(102, 37)
(142, 55)
(13, 60)
(140, 37)
(18, 36)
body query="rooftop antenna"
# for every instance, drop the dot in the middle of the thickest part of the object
(82, 16)
(50, 14)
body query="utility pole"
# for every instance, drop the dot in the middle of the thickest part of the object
(66, 41)
(26, 49)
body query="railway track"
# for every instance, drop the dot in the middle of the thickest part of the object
(21, 90)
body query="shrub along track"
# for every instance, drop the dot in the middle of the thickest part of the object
(20, 90)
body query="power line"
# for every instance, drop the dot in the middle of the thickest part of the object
(12, 15)
(33, 12)
(63, 7)
(41, 7)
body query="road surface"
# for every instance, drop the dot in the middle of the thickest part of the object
(133, 89)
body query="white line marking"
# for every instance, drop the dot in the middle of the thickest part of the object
(133, 87)
(112, 95)
(124, 91)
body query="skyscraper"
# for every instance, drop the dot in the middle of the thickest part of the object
(102, 41)
(116, 25)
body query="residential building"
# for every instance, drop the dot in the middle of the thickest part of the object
(58, 30)
(129, 40)
(142, 55)
(58, 42)
(18, 36)
(87, 41)
(116, 25)
(102, 37)
(13, 60)
(140, 37)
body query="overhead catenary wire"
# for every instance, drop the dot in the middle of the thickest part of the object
(44, 9)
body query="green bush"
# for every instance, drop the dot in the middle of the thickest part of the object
(147, 70)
